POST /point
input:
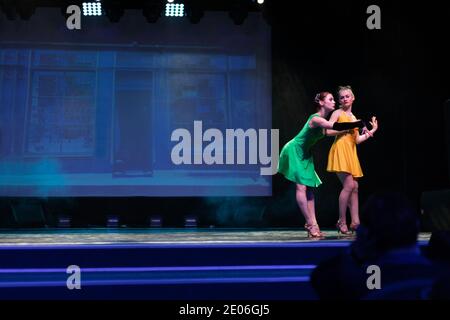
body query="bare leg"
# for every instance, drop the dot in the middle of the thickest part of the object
(300, 196)
(305, 201)
(354, 204)
(312, 208)
(345, 195)
(311, 205)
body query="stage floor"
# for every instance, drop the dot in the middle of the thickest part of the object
(165, 264)
(111, 236)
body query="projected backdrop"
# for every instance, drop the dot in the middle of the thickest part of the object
(93, 111)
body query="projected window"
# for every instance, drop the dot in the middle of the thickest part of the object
(243, 104)
(62, 114)
(133, 122)
(13, 76)
(243, 93)
(197, 96)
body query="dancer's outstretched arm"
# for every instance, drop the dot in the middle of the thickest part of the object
(369, 133)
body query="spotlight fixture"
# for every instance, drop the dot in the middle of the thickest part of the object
(7, 6)
(113, 10)
(194, 11)
(92, 8)
(152, 10)
(155, 221)
(112, 221)
(174, 10)
(190, 222)
(239, 11)
(64, 221)
(25, 9)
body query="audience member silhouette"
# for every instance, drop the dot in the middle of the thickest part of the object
(438, 251)
(387, 238)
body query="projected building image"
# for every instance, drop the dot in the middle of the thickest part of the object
(95, 118)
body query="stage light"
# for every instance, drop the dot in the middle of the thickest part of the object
(170, 1)
(174, 10)
(26, 9)
(152, 10)
(190, 222)
(92, 8)
(113, 10)
(7, 7)
(260, 1)
(64, 221)
(194, 11)
(112, 221)
(155, 221)
(239, 12)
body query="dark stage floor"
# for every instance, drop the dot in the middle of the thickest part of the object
(165, 264)
(16, 237)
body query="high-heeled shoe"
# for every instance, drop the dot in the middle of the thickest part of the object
(313, 231)
(353, 227)
(342, 227)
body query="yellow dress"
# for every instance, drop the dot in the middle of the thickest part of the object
(343, 156)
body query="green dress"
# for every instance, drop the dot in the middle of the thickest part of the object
(296, 161)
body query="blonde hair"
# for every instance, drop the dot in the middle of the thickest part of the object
(343, 88)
